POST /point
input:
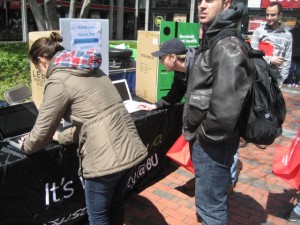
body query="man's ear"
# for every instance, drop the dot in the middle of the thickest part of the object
(173, 57)
(227, 4)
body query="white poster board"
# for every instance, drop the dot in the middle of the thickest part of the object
(254, 3)
(83, 34)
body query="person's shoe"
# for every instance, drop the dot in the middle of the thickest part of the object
(261, 146)
(189, 185)
(292, 216)
(242, 143)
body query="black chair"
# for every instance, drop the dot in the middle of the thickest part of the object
(17, 94)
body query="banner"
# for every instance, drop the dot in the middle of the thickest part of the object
(285, 3)
(44, 188)
(158, 131)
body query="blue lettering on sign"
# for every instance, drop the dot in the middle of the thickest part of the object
(86, 40)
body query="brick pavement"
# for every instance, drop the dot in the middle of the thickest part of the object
(259, 197)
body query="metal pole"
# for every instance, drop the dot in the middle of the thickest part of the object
(24, 21)
(147, 15)
(111, 19)
(136, 18)
(192, 11)
(5, 5)
(120, 19)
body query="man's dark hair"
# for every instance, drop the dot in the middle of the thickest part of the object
(279, 6)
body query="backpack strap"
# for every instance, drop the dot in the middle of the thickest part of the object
(222, 34)
(235, 33)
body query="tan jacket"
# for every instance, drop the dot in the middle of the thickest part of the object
(108, 139)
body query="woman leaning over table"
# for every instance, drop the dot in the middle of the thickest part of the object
(109, 145)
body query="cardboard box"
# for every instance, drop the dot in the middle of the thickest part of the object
(152, 79)
(146, 65)
(37, 79)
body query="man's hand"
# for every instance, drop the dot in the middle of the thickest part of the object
(21, 141)
(277, 60)
(55, 136)
(146, 106)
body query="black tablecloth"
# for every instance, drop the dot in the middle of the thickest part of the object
(44, 188)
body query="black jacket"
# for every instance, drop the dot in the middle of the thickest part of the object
(218, 85)
(176, 93)
(178, 87)
(296, 41)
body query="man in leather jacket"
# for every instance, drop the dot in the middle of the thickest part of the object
(176, 57)
(218, 85)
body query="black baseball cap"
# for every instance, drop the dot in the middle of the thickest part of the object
(172, 46)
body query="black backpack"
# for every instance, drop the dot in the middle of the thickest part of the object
(264, 110)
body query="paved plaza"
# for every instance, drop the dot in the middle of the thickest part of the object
(259, 197)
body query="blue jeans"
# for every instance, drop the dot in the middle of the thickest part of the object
(212, 163)
(297, 207)
(295, 67)
(104, 198)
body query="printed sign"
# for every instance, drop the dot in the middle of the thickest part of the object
(157, 20)
(179, 18)
(85, 35)
(254, 3)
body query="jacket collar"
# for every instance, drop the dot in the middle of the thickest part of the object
(229, 18)
(279, 30)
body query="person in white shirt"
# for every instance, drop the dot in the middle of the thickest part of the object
(278, 40)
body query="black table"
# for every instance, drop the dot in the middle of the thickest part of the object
(44, 188)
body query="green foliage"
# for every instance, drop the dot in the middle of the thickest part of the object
(132, 44)
(14, 66)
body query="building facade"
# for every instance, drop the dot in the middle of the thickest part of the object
(127, 17)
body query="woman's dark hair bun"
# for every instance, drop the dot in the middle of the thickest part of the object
(56, 37)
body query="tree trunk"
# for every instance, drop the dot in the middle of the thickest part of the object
(85, 9)
(38, 15)
(51, 14)
(50, 21)
(72, 10)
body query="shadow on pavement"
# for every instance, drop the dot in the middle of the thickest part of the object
(279, 204)
(242, 206)
(188, 191)
(145, 213)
